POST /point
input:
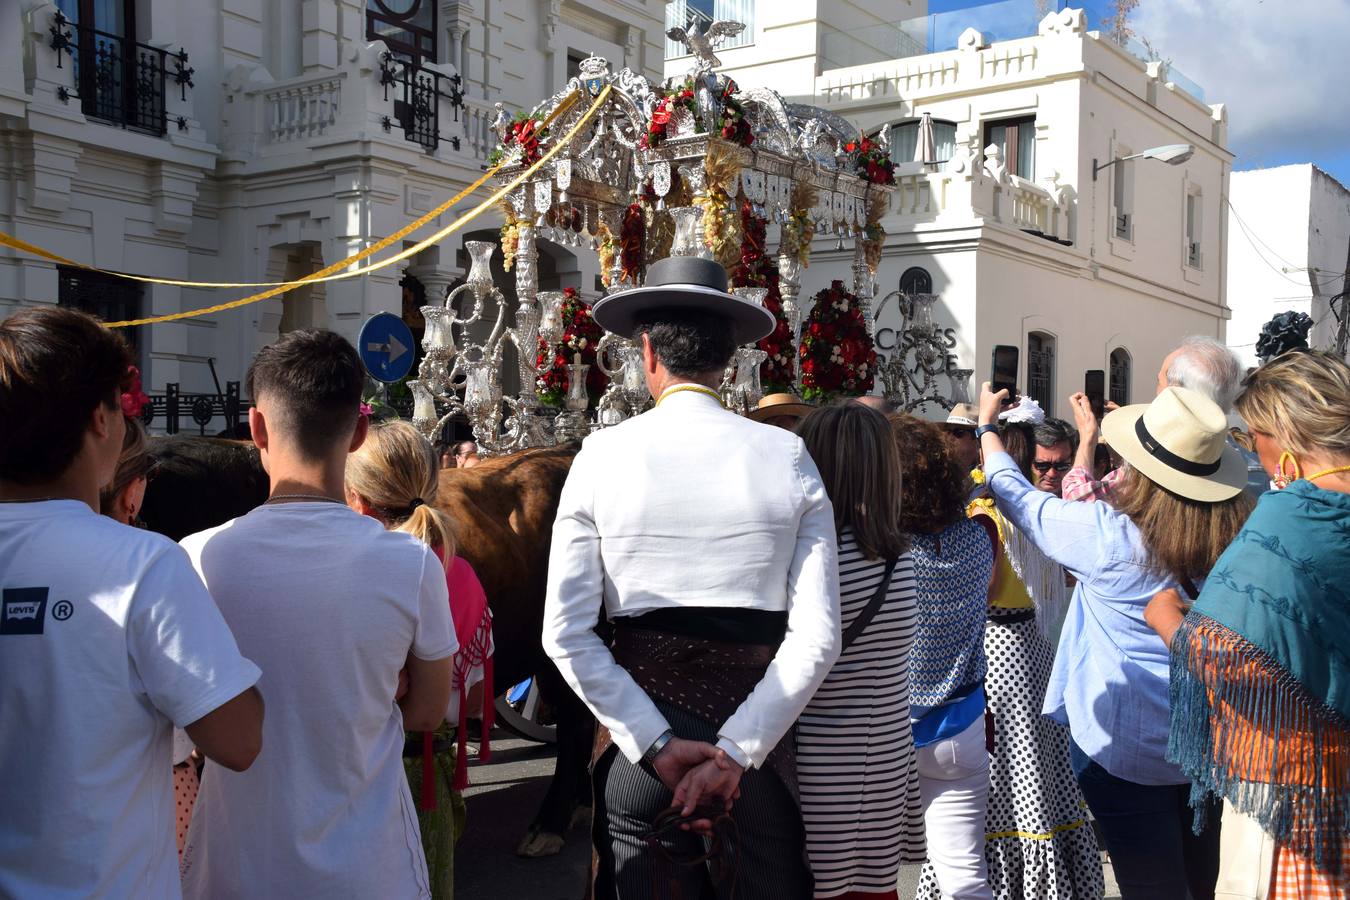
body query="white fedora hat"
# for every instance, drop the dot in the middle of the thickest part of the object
(685, 282)
(1178, 442)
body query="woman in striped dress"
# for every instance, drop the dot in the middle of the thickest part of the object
(855, 759)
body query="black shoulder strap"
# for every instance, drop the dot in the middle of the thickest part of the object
(869, 612)
(1189, 587)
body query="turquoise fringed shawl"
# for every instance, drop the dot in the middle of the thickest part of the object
(1260, 683)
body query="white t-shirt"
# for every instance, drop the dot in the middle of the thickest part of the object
(329, 604)
(107, 640)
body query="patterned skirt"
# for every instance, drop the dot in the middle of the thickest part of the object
(441, 827)
(1038, 842)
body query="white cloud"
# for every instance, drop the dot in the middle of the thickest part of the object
(1278, 65)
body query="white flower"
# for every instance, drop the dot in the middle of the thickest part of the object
(581, 344)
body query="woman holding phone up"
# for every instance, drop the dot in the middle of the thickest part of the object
(1179, 504)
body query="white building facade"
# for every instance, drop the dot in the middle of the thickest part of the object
(1007, 222)
(282, 141)
(1290, 252)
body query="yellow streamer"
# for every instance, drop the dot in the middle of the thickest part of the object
(14, 243)
(323, 274)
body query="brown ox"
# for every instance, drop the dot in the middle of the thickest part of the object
(503, 509)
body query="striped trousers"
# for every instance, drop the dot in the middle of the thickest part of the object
(769, 858)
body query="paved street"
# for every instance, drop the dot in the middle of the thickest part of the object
(502, 799)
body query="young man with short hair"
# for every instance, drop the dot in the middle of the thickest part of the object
(332, 607)
(107, 637)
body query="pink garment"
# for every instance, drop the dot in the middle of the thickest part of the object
(473, 629)
(1079, 484)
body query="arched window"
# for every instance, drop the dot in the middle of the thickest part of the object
(1041, 370)
(1119, 392)
(905, 141)
(916, 280)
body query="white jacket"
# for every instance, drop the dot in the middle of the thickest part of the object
(692, 505)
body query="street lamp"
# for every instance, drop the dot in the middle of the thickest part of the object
(1172, 154)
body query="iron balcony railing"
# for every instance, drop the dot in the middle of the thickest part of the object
(117, 80)
(203, 408)
(417, 94)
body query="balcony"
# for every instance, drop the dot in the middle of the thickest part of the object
(1006, 20)
(374, 92)
(116, 80)
(965, 192)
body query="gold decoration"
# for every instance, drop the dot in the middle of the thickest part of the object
(607, 249)
(510, 236)
(721, 221)
(799, 228)
(874, 236)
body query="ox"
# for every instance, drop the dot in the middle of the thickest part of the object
(504, 510)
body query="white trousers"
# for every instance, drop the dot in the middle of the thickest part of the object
(954, 787)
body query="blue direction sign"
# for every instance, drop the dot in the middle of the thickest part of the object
(386, 345)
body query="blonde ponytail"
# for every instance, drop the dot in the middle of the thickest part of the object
(395, 471)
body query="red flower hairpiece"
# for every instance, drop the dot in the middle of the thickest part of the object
(133, 398)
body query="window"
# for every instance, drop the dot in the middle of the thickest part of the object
(916, 281)
(1041, 370)
(1193, 230)
(905, 141)
(574, 61)
(687, 13)
(1122, 196)
(1016, 138)
(110, 298)
(407, 27)
(1118, 391)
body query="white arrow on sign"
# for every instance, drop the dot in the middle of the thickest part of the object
(394, 348)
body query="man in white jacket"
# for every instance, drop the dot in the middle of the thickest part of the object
(708, 539)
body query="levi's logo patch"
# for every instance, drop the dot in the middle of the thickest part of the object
(23, 610)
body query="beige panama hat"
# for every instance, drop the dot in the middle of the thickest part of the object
(1178, 442)
(783, 404)
(963, 415)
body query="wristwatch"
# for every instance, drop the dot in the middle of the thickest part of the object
(985, 429)
(655, 749)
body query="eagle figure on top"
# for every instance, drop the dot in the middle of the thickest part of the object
(702, 43)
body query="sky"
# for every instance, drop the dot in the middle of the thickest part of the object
(1276, 64)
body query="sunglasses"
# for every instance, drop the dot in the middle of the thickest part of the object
(962, 433)
(1043, 466)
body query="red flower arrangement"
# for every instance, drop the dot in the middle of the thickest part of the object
(133, 398)
(872, 162)
(837, 355)
(681, 97)
(526, 133)
(580, 336)
(735, 126)
(756, 269)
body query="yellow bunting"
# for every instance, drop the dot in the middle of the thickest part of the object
(323, 274)
(14, 243)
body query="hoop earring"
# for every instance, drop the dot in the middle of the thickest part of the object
(1282, 478)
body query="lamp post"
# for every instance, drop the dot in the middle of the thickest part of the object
(1172, 154)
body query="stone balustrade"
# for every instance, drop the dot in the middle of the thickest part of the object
(302, 108)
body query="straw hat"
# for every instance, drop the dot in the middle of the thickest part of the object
(963, 415)
(780, 405)
(685, 282)
(1178, 442)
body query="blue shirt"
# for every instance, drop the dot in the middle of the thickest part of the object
(1109, 681)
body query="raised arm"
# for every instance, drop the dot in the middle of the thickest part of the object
(1069, 533)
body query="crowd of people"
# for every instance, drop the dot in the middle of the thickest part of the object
(820, 642)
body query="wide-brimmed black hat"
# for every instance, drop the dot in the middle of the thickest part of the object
(685, 282)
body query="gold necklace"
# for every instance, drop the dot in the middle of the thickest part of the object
(1331, 471)
(696, 388)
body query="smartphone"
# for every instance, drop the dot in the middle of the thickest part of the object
(1004, 376)
(1094, 385)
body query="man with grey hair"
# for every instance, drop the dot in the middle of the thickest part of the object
(1201, 363)
(1205, 365)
